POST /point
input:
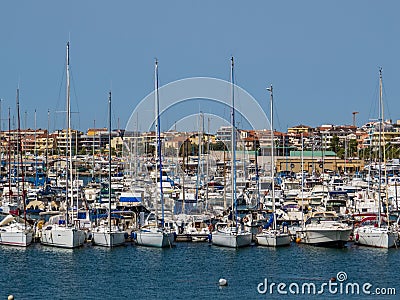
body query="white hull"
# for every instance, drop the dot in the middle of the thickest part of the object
(380, 237)
(231, 240)
(64, 237)
(324, 236)
(20, 238)
(273, 239)
(14, 233)
(159, 239)
(108, 239)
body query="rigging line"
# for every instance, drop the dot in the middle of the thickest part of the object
(59, 97)
(114, 117)
(76, 98)
(386, 103)
(276, 115)
(373, 103)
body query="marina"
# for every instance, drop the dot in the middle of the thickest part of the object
(144, 196)
(189, 270)
(199, 150)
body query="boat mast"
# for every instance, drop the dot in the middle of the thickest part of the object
(20, 158)
(208, 162)
(36, 174)
(93, 139)
(379, 147)
(302, 179)
(233, 145)
(270, 89)
(199, 172)
(9, 155)
(47, 148)
(384, 145)
(109, 161)
(68, 142)
(158, 132)
(185, 146)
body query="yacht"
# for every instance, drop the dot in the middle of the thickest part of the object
(324, 229)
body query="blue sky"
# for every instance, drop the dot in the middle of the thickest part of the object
(322, 57)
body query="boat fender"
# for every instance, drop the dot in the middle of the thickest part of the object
(175, 235)
(126, 235)
(133, 235)
(40, 224)
(298, 240)
(209, 236)
(357, 237)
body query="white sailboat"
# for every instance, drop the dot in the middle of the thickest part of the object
(273, 237)
(107, 234)
(377, 234)
(153, 235)
(14, 232)
(58, 231)
(231, 235)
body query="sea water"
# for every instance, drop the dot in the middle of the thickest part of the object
(192, 271)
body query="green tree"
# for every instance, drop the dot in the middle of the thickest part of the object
(218, 146)
(335, 144)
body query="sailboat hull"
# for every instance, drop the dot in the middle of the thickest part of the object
(231, 240)
(63, 237)
(16, 238)
(159, 239)
(273, 239)
(108, 239)
(379, 237)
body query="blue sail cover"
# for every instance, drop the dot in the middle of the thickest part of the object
(130, 199)
(270, 221)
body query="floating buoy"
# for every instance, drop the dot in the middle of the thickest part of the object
(10, 297)
(222, 282)
(298, 240)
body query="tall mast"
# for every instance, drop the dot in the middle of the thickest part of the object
(379, 147)
(109, 160)
(9, 155)
(272, 154)
(94, 133)
(233, 145)
(68, 141)
(302, 179)
(384, 145)
(158, 132)
(20, 158)
(47, 147)
(36, 174)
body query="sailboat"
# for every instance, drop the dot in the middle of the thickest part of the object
(13, 230)
(58, 231)
(377, 234)
(152, 234)
(106, 234)
(272, 236)
(231, 234)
